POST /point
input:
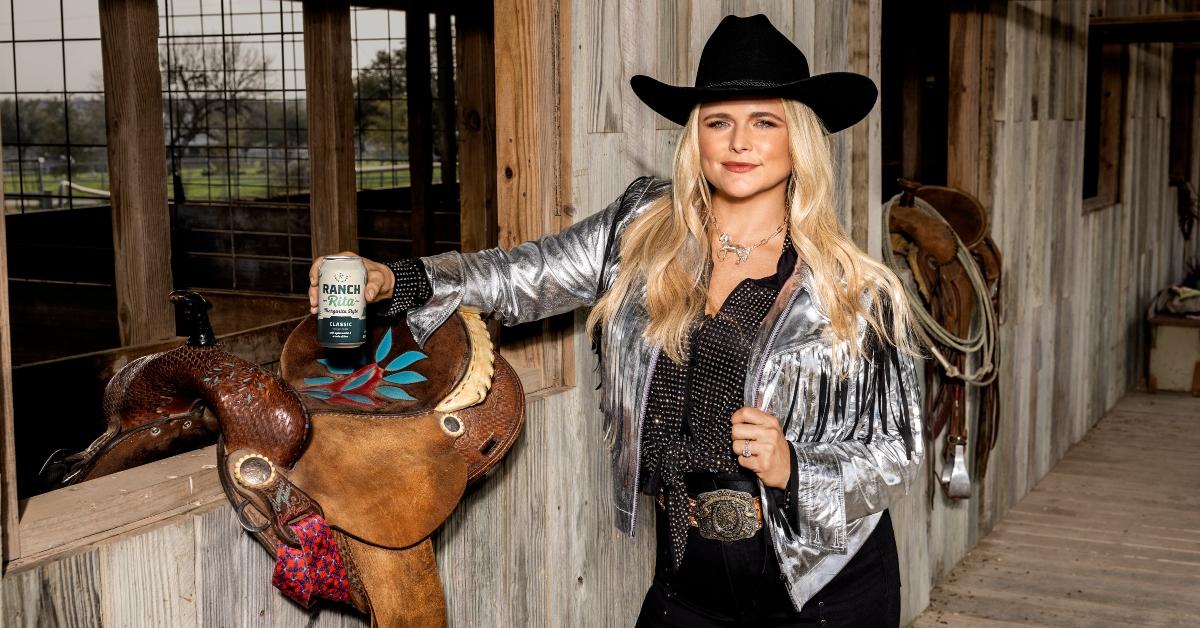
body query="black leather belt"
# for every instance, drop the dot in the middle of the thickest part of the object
(723, 514)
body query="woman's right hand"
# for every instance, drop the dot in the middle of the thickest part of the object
(380, 280)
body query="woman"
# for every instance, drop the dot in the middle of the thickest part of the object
(757, 373)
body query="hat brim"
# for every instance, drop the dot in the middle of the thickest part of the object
(839, 99)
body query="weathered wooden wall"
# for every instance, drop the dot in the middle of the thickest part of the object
(535, 545)
(1076, 284)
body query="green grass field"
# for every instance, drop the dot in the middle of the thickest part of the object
(250, 182)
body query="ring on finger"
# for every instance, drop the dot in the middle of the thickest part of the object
(746, 453)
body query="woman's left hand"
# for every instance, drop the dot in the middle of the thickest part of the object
(769, 455)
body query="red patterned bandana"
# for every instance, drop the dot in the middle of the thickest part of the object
(314, 569)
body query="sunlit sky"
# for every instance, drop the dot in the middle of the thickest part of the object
(258, 23)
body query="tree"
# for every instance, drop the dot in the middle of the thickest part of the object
(381, 89)
(382, 106)
(209, 89)
(41, 121)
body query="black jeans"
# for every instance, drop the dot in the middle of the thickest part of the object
(738, 583)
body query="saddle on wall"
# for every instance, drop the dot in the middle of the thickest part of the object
(346, 464)
(942, 233)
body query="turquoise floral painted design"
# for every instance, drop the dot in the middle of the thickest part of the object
(368, 384)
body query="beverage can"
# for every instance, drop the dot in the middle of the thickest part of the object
(342, 309)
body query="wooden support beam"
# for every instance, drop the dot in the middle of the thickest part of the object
(1165, 27)
(476, 122)
(330, 93)
(530, 142)
(969, 132)
(865, 153)
(134, 122)
(10, 547)
(420, 118)
(117, 504)
(963, 108)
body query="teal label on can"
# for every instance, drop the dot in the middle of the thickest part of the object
(341, 330)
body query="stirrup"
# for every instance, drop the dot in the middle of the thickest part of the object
(955, 479)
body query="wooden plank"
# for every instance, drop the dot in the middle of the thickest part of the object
(1061, 326)
(704, 18)
(605, 101)
(941, 619)
(420, 117)
(1166, 27)
(1116, 545)
(1042, 45)
(1172, 475)
(476, 129)
(638, 121)
(467, 547)
(1054, 559)
(233, 573)
(529, 137)
(991, 41)
(1053, 35)
(529, 596)
(779, 13)
(1076, 53)
(1103, 530)
(516, 591)
(9, 531)
(63, 593)
(54, 523)
(620, 578)
(150, 579)
(1010, 601)
(964, 130)
(330, 97)
(804, 30)
(1050, 581)
(864, 157)
(562, 350)
(674, 18)
(137, 170)
(831, 53)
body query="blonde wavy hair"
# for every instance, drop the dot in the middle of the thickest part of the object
(668, 247)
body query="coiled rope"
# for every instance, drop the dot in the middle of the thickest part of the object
(980, 342)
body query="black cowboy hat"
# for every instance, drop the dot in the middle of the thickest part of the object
(748, 56)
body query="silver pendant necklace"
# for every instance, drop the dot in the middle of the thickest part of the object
(742, 250)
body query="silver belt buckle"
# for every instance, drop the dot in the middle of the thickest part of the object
(726, 515)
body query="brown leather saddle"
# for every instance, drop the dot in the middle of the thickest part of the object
(344, 466)
(930, 243)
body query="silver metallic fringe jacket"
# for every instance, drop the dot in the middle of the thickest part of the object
(857, 440)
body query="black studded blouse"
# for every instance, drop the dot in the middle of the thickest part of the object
(688, 426)
(411, 289)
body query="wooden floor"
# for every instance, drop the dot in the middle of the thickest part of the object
(1110, 537)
